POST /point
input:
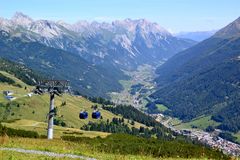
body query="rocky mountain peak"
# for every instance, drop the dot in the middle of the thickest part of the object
(21, 19)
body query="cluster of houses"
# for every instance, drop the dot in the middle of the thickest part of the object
(210, 139)
(9, 95)
(215, 142)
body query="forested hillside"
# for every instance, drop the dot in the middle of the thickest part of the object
(204, 80)
(86, 78)
(20, 71)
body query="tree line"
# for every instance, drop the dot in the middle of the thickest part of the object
(117, 125)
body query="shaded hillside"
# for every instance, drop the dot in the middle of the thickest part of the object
(20, 71)
(204, 80)
(86, 78)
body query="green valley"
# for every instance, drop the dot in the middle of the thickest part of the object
(28, 113)
(104, 80)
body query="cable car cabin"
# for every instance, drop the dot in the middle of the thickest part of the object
(96, 115)
(83, 115)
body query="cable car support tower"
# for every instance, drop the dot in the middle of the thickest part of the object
(53, 87)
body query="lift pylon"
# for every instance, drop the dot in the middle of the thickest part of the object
(53, 87)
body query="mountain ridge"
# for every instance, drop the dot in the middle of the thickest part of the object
(138, 40)
(231, 30)
(108, 48)
(204, 80)
(197, 35)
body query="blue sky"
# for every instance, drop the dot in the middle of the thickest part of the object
(174, 15)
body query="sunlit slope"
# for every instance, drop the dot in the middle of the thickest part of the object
(59, 131)
(36, 107)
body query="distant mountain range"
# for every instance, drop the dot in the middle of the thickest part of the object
(196, 36)
(73, 50)
(205, 80)
(126, 43)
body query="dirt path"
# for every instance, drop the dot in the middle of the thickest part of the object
(45, 153)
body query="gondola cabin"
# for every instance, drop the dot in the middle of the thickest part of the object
(83, 115)
(96, 115)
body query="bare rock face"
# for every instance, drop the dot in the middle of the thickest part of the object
(123, 43)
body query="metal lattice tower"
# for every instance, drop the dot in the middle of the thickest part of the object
(53, 87)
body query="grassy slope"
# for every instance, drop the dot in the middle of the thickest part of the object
(63, 147)
(161, 107)
(21, 156)
(10, 155)
(238, 136)
(201, 122)
(36, 107)
(59, 146)
(40, 127)
(35, 121)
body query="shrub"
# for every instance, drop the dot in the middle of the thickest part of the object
(59, 122)
(127, 144)
(6, 79)
(17, 132)
(210, 129)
